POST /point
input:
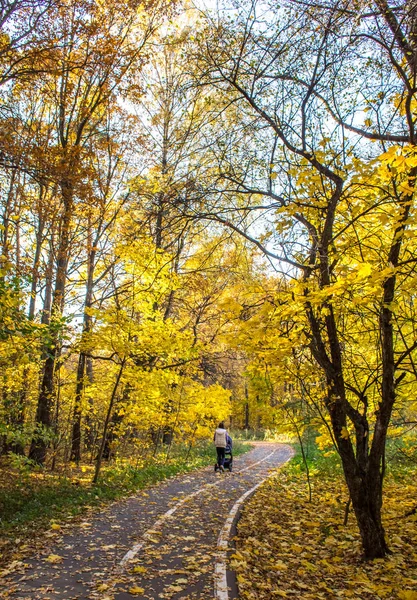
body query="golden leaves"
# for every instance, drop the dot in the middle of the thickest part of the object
(325, 562)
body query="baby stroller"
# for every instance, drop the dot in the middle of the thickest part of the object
(228, 459)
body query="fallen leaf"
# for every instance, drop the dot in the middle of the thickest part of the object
(136, 591)
(54, 559)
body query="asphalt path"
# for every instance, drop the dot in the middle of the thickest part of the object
(170, 541)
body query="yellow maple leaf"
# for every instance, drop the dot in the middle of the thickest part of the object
(139, 569)
(54, 559)
(136, 591)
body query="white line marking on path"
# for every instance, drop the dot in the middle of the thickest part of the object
(220, 579)
(220, 568)
(150, 532)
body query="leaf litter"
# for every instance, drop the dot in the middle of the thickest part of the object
(287, 547)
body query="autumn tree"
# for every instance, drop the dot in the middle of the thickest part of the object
(297, 81)
(108, 170)
(97, 50)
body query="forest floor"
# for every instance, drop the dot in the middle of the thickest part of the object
(169, 541)
(288, 547)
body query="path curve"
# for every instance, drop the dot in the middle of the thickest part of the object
(167, 542)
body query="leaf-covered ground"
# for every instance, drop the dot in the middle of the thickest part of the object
(287, 547)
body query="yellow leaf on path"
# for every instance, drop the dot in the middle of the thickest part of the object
(103, 587)
(135, 590)
(54, 559)
(55, 526)
(139, 570)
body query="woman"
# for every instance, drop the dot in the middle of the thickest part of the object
(220, 441)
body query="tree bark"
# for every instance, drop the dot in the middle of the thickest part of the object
(43, 419)
(82, 360)
(106, 424)
(38, 250)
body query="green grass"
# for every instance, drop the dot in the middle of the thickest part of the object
(401, 456)
(260, 435)
(317, 461)
(401, 459)
(30, 501)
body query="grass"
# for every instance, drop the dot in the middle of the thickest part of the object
(31, 500)
(259, 435)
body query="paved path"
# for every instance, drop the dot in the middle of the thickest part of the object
(169, 542)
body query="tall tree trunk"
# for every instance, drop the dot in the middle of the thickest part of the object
(76, 421)
(366, 495)
(90, 434)
(106, 424)
(82, 359)
(43, 417)
(36, 259)
(364, 483)
(6, 217)
(47, 302)
(247, 423)
(116, 420)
